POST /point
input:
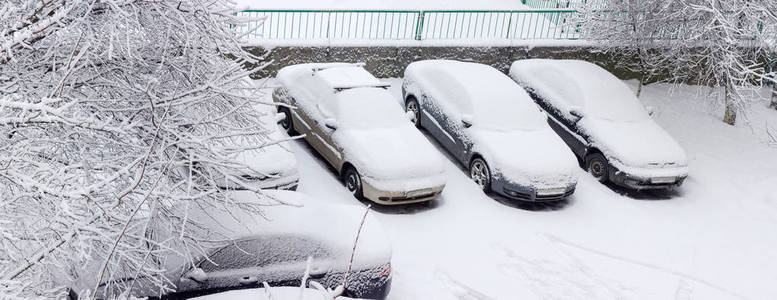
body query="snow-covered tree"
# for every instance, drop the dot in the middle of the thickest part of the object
(627, 30)
(708, 42)
(107, 108)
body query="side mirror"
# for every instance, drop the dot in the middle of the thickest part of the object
(466, 120)
(576, 112)
(650, 110)
(331, 124)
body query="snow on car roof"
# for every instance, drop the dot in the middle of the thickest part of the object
(568, 83)
(347, 77)
(335, 225)
(491, 97)
(334, 75)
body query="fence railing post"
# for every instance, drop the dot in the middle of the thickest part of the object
(328, 22)
(509, 24)
(419, 25)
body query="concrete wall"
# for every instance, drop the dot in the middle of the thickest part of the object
(387, 62)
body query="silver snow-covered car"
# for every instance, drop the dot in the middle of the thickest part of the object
(489, 124)
(349, 117)
(250, 248)
(603, 123)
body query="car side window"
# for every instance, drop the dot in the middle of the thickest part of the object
(263, 252)
(449, 94)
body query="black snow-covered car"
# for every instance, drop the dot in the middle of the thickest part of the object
(250, 249)
(604, 123)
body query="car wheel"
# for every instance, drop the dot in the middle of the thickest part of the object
(412, 105)
(597, 165)
(479, 172)
(286, 123)
(353, 182)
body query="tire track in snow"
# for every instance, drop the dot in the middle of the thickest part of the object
(560, 280)
(682, 289)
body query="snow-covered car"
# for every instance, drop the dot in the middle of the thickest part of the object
(271, 166)
(273, 293)
(489, 124)
(258, 163)
(250, 248)
(349, 117)
(604, 123)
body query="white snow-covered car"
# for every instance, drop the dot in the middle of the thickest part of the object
(603, 123)
(349, 117)
(273, 246)
(490, 124)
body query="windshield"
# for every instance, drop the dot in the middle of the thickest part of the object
(612, 100)
(368, 108)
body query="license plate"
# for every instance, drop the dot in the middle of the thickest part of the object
(416, 193)
(663, 179)
(556, 191)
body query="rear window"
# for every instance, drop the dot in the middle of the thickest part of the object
(264, 251)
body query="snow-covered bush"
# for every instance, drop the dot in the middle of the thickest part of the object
(711, 42)
(106, 110)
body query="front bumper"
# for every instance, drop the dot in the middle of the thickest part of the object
(284, 182)
(636, 182)
(532, 194)
(400, 197)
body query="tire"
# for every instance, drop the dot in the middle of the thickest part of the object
(287, 124)
(353, 182)
(597, 165)
(480, 173)
(412, 105)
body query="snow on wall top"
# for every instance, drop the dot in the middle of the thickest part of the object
(380, 4)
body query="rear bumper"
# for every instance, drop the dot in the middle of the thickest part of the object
(400, 197)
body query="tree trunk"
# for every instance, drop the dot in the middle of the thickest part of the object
(773, 104)
(641, 84)
(730, 116)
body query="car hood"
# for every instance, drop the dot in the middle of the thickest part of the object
(537, 158)
(393, 153)
(272, 160)
(641, 144)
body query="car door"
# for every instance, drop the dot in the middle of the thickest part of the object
(448, 107)
(564, 128)
(311, 121)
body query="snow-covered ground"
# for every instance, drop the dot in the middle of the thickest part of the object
(714, 238)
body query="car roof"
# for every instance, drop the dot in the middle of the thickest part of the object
(579, 83)
(293, 213)
(476, 89)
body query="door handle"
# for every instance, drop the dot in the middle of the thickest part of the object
(248, 280)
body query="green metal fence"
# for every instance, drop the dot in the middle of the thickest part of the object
(555, 3)
(405, 24)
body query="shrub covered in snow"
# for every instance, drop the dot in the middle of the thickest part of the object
(99, 102)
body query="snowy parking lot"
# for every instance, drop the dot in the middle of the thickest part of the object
(713, 238)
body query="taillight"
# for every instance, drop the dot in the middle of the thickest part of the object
(386, 271)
